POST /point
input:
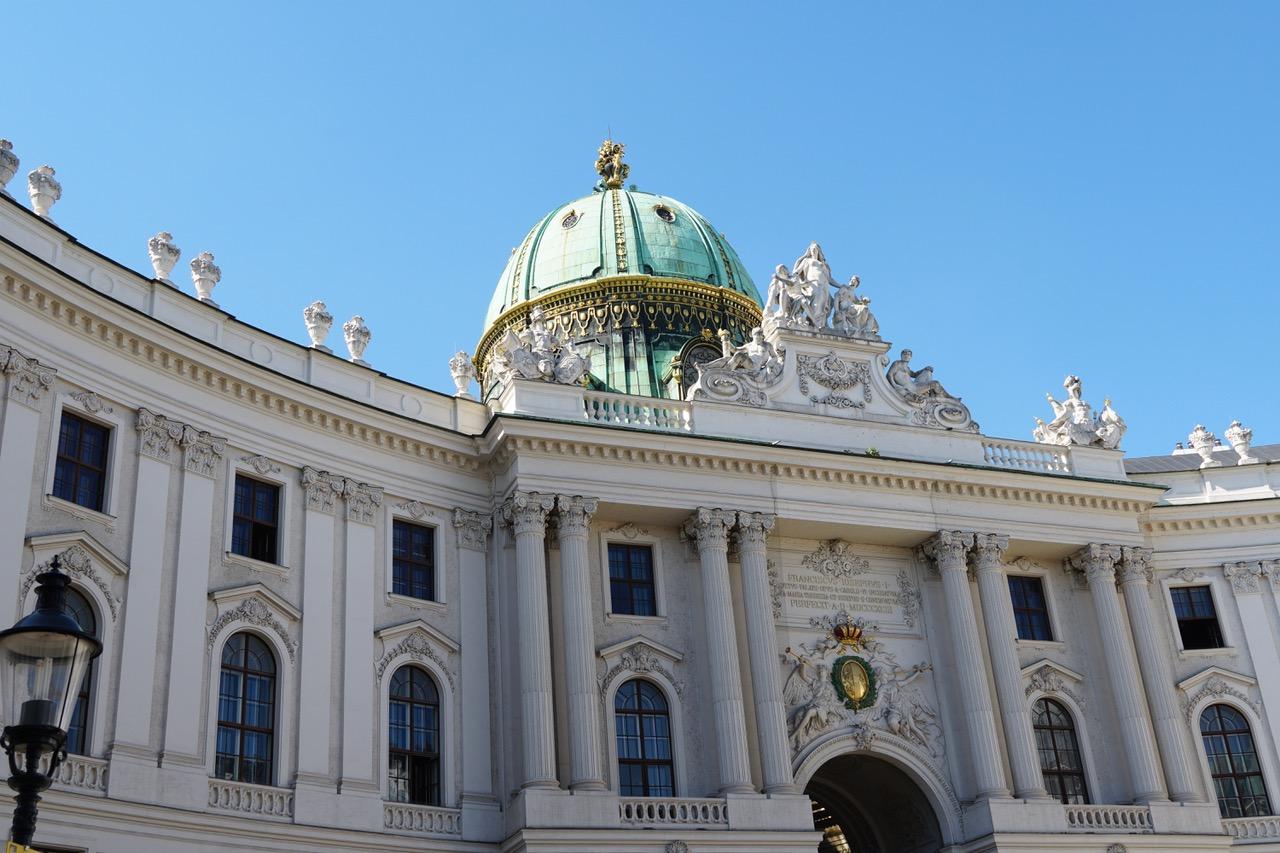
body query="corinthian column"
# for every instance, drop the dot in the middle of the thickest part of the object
(948, 549)
(1098, 562)
(997, 614)
(709, 528)
(579, 644)
(1134, 574)
(526, 512)
(762, 648)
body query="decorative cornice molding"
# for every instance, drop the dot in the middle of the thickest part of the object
(28, 378)
(473, 528)
(255, 611)
(1235, 521)
(233, 385)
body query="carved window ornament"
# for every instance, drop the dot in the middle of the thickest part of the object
(664, 213)
(82, 558)
(570, 219)
(638, 656)
(1215, 684)
(835, 559)
(416, 640)
(1048, 678)
(254, 605)
(90, 402)
(837, 375)
(261, 465)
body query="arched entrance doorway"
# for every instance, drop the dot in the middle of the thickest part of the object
(864, 804)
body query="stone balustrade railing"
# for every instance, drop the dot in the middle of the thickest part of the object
(646, 412)
(81, 774)
(1026, 456)
(243, 798)
(1103, 818)
(1253, 827)
(657, 812)
(421, 820)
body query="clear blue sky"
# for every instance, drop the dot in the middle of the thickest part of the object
(1026, 189)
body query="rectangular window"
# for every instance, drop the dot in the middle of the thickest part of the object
(1197, 618)
(255, 520)
(1030, 609)
(80, 473)
(413, 560)
(631, 587)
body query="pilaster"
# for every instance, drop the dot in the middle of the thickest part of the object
(1098, 563)
(948, 549)
(709, 529)
(1248, 580)
(361, 502)
(27, 380)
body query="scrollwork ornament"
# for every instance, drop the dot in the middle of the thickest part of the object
(638, 659)
(835, 374)
(202, 451)
(255, 612)
(677, 847)
(527, 512)
(1134, 565)
(709, 527)
(1048, 680)
(574, 514)
(835, 559)
(1188, 575)
(419, 647)
(156, 434)
(1245, 577)
(1215, 687)
(91, 402)
(28, 378)
(320, 488)
(261, 464)
(908, 598)
(77, 562)
(1096, 562)
(362, 499)
(473, 528)
(947, 549)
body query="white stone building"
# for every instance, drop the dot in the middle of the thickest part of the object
(649, 592)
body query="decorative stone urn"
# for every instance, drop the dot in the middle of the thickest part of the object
(1241, 437)
(44, 190)
(205, 274)
(8, 165)
(319, 322)
(164, 254)
(1204, 443)
(463, 372)
(358, 337)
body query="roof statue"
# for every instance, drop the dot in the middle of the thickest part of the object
(801, 298)
(1074, 422)
(934, 404)
(539, 354)
(610, 166)
(741, 374)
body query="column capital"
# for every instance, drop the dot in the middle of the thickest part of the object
(1245, 577)
(575, 514)
(201, 451)
(320, 488)
(947, 548)
(28, 378)
(473, 528)
(362, 500)
(527, 512)
(157, 435)
(753, 529)
(709, 527)
(988, 551)
(1096, 562)
(1134, 566)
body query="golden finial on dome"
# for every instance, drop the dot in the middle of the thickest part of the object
(610, 166)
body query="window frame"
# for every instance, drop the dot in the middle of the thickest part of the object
(1078, 718)
(1029, 569)
(449, 770)
(273, 731)
(107, 418)
(617, 536)
(286, 482)
(427, 516)
(675, 710)
(1011, 578)
(671, 738)
(89, 683)
(1168, 585)
(1074, 729)
(1263, 741)
(439, 759)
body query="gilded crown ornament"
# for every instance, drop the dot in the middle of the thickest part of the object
(610, 166)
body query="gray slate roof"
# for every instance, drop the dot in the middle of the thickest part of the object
(1191, 461)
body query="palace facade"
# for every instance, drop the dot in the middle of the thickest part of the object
(687, 569)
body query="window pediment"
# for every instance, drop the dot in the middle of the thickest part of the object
(1216, 682)
(256, 605)
(418, 640)
(1052, 678)
(637, 656)
(82, 557)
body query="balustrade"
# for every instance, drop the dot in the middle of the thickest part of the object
(1253, 827)
(1102, 818)
(1026, 456)
(673, 811)
(421, 820)
(647, 412)
(241, 797)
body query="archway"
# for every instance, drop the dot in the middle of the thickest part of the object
(865, 804)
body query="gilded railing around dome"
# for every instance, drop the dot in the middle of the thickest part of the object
(648, 302)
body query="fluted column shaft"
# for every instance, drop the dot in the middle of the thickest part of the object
(1098, 563)
(1180, 772)
(1002, 633)
(948, 549)
(762, 648)
(526, 512)
(709, 528)
(579, 644)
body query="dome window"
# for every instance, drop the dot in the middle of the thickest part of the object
(570, 219)
(664, 213)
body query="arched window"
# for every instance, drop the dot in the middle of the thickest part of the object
(1233, 763)
(246, 711)
(1059, 752)
(413, 727)
(78, 734)
(643, 725)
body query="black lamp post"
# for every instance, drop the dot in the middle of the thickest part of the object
(43, 660)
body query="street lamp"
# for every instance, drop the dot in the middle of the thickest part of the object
(43, 659)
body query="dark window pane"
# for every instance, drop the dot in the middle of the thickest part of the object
(80, 470)
(1030, 609)
(1059, 750)
(413, 551)
(1233, 762)
(1197, 618)
(631, 585)
(254, 525)
(642, 728)
(413, 717)
(246, 711)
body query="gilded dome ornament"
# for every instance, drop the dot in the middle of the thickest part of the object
(610, 166)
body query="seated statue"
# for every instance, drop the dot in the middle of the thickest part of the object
(919, 383)
(852, 313)
(757, 358)
(1074, 422)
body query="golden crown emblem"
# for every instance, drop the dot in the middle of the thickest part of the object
(847, 634)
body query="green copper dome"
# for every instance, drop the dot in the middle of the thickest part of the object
(616, 232)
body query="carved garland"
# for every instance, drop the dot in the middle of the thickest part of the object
(1216, 687)
(75, 561)
(419, 647)
(253, 611)
(832, 372)
(1049, 681)
(908, 598)
(637, 659)
(836, 559)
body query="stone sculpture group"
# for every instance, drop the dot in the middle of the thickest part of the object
(802, 298)
(1074, 422)
(536, 352)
